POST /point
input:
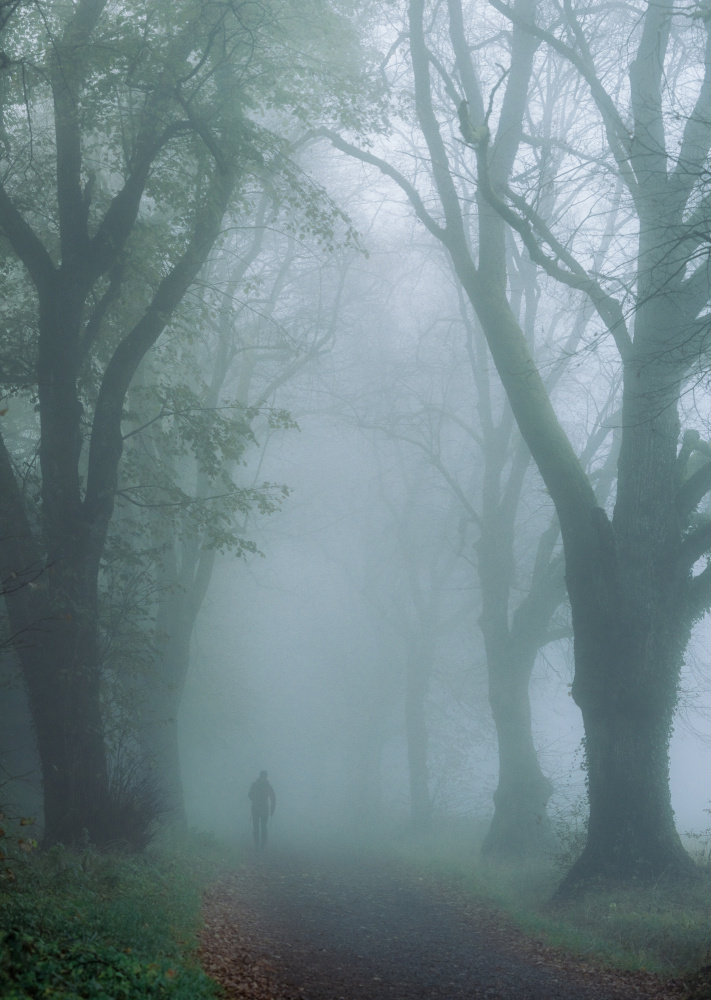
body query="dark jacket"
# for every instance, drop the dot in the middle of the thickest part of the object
(262, 796)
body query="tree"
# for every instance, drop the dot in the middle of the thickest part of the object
(630, 578)
(128, 133)
(460, 421)
(427, 535)
(519, 619)
(262, 324)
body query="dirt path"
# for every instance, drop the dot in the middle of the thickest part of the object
(299, 927)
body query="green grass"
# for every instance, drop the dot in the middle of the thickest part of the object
(105, 927)
(663, 927)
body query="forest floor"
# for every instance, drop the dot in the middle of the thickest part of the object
(308, 926)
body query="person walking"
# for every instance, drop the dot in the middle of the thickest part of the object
(263, 799)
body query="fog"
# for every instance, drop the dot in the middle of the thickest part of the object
(284, 656)
(356, 425)
(288, 661)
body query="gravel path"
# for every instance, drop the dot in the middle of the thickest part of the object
(300, 927)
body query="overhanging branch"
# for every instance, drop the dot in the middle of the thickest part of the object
(389, 171)
(573, 274)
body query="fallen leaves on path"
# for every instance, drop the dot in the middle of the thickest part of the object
(232, 948)
(298, 928)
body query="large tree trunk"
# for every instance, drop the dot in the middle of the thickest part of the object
(630, 643)
(62, 677)
(19, 763)
(61, 664)
(631, 829)
(627, 695)
(69, 727)
(520, 827)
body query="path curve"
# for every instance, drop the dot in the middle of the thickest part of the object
(295, 926)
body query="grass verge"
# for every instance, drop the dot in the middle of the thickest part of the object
(663, 927)
(106, 927)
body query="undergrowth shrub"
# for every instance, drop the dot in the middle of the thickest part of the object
(127, 817)
(570, 825)
(84, 924)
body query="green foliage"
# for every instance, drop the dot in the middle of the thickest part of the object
(35, 967)
(82, 924)
(255, 75)
(204, 501)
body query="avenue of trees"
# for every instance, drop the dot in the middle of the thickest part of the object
(187, 195)
(486, 128)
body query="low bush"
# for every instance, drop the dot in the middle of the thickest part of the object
(76, 924)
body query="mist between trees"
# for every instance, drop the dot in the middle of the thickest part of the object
(356, 417)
